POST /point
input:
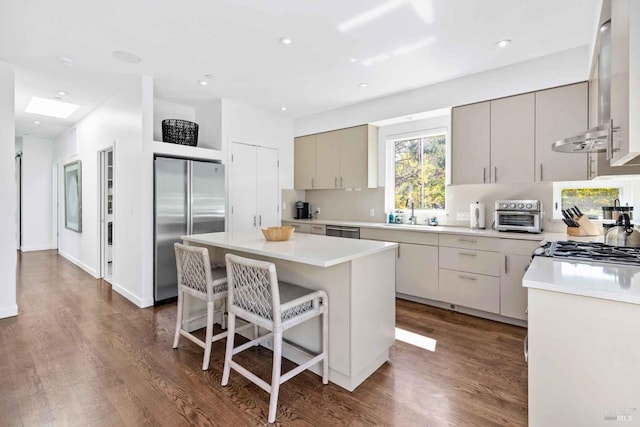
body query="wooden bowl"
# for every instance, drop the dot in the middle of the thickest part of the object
(277, 234)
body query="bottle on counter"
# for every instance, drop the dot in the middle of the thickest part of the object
(399, 216)
(391, 218)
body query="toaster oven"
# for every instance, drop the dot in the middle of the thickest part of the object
(519, 215)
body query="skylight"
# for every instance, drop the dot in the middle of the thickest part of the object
(51, 108)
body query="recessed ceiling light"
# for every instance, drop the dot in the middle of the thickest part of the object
(503, 43)
(285, 40)
(283, 108)
(65, 60)
(203, 82)
(62, 92)
(35, 122)
(128, 57)
(363, 84)
(353, 60)
(51, 108)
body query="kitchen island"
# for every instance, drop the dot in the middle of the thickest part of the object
(359, 278)
(583, 342)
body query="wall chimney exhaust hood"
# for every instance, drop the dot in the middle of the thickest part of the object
(597, 139)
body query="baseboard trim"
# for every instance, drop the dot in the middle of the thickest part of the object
(79, 263)
(37, 248)
(140, 302)
(10, 311)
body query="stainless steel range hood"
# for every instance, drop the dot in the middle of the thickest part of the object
(597, 139)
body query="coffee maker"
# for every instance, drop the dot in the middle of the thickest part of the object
(302, 210)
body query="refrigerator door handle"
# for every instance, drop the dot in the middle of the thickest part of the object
(254, 220)
(260, 220)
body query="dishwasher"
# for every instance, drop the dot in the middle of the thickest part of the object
(347, 232)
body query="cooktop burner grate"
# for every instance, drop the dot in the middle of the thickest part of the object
(589, 251)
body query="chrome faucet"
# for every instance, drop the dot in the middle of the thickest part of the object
(412, 218)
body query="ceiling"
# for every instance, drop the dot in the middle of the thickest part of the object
(397, 45)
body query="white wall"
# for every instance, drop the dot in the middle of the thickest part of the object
(118, 122)
(553, 70)
(37, 159)
(8, 306)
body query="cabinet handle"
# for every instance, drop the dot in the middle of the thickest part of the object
(526, 348)
(484, 175)
(260, 220)
(254, 220)
(495, 174)
(341, 185)
(335, 184)
(467, 254)
(398, 251)
(312, 183)
(467, 240)
(506, 268)
(541, 179)
(460, 276)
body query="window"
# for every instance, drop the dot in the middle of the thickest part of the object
(419, 165)
(591, 196)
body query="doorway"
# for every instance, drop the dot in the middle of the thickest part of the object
(107, 190)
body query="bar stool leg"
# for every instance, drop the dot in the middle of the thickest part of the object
(231, 330)
(209, 334)
(223, 309)
(256, 333)
(275, 375)
(325, 347)
(176, 338)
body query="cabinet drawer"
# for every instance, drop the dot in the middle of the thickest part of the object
(470, 261)
(319, 229)
(470, 290)
(518, 247)
(470, 242)
(415, 237)
(299, 228)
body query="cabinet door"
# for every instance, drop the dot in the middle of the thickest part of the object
(560, 113)
(512, 139)
(353, 157)
(513, 296)
(267, 194)
(327, 160)
(417, 271)
(470, 143)
(242, 187)
(304, 162)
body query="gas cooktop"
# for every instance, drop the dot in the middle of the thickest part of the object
(589, 251)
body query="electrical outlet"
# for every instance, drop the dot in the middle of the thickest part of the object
(317, 211)
(284, 206)
(372, 212)
(462, 216)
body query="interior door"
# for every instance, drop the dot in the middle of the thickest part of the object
(267, 187)
(242, 191)
(207, 197)
(170, 187)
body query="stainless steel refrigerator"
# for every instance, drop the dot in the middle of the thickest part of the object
(188, 199)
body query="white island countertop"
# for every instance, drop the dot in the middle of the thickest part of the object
(311, 249)
(613, 282)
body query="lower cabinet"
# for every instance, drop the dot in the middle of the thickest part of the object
(470, 290)
(417, 270)
(516, 257)
(298, 228)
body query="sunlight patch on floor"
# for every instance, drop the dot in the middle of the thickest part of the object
(416, 339)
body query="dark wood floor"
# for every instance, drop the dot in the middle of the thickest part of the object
(80, 354)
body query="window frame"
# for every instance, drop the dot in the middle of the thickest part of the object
(390, 178)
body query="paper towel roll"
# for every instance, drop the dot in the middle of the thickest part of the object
(476, 215)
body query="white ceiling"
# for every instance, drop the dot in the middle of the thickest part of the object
(406, 44)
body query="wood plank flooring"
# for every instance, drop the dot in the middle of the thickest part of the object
(80, 354)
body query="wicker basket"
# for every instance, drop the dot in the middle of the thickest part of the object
(182, 132)
(277, 234)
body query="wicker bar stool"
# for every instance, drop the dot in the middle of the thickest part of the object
(198, 279)
(255, 295)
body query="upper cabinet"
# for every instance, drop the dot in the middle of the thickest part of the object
(560, 111)
(625, 81)
(305, 162)
(512, 139)
(508, 140)
(471, 146)
(339, 159)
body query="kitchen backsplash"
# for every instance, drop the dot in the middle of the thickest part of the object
(356, 205)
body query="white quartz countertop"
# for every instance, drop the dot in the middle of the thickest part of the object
(441, 229)
(321, 251)
(590, 279)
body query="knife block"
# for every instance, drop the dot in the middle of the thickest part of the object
(586, 228)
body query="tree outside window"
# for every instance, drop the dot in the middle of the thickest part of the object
(420, 172)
